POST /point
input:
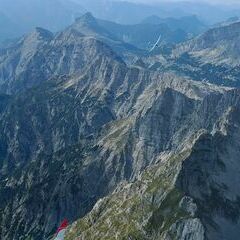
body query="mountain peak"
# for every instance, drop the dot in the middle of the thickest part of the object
(87, 18)
(41, 34)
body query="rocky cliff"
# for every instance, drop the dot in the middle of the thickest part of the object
(189, 194)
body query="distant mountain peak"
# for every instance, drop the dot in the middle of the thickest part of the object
(88, 24)
(37, 36)
(42, 33)
(87, 18)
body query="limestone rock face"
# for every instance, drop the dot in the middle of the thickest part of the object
(188, 229)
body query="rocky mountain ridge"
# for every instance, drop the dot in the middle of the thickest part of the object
(64, 54)
(211, 57)
(218, 45)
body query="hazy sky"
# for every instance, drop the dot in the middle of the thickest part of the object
(199, 1)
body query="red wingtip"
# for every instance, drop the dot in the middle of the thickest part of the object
(63, 225)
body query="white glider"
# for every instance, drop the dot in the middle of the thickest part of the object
(156, 44)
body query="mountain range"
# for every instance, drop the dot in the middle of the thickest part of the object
(133, 12)
(23, 16)
(212, 56)
(218, 45)
(123, 142)
(189, 24)
(19, 62)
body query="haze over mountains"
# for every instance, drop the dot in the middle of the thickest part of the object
(125, 136)
(22, 16)
(133, 12)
